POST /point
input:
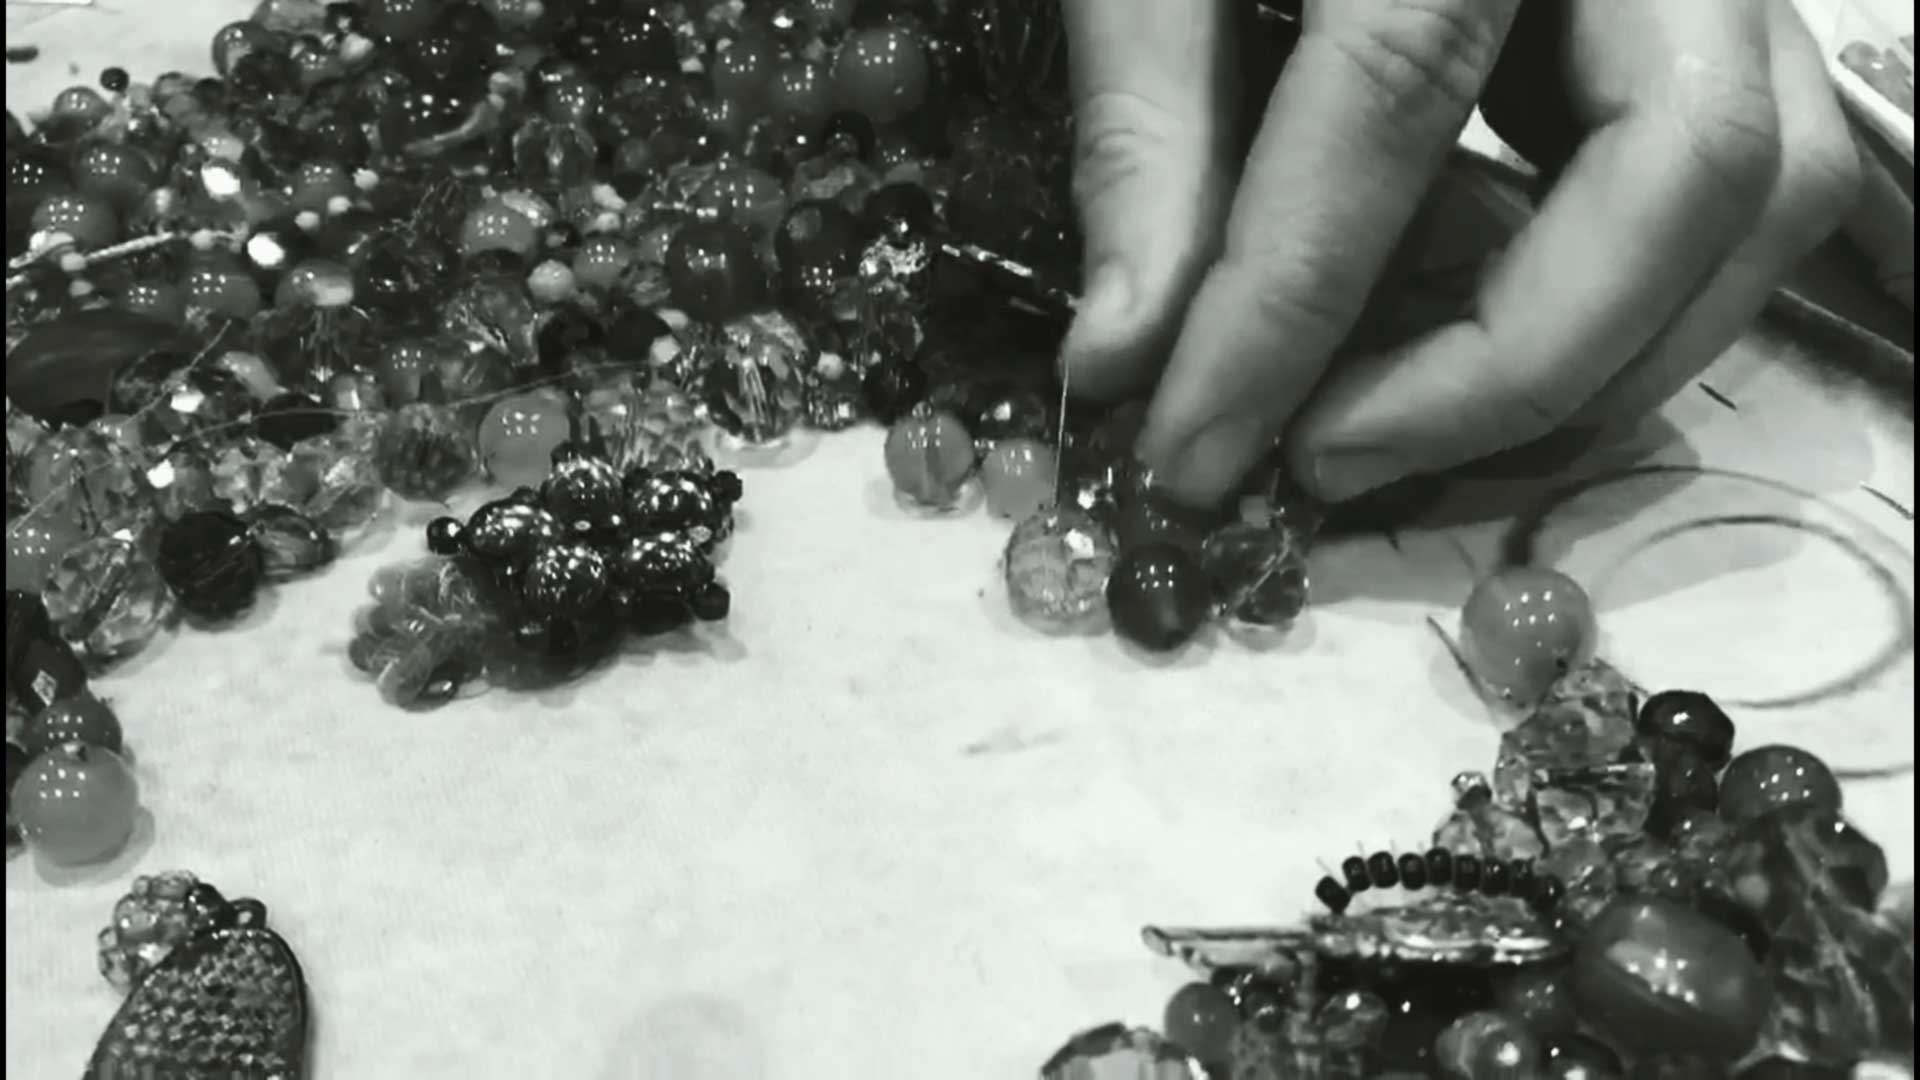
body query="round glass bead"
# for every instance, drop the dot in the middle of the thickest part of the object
(1057, 563)
(1257, 573)
(423, 452)
(881, 73)
(315, 283)
(752, 377)
(817, 247)
(497, 226)
(800, 95)
(601, 261)
(1487, 1046)
(218, 284)
(76, 804)
(36, 543)
(1540, 999)
(210, 561)
(1525, 627)
(1665, 979)
(81, 718)
(713, 272)
(929, 458)
(1201, 1019)
(1769, 779)
(1019, 476)
(1576, 1057)
(118, 173)
(316, 184)
(88, 219)
(154, 299)
(1157, 597)
(519, 435)
(1690, 717)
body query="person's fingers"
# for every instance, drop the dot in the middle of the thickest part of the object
(1881, 224)
(1645, 211)
(1365, 111)
(1153, 144)
(1818, 184)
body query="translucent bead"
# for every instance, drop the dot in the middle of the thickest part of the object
(549, 155)
(1201, 1019)
(753, 377)
(334, 480)
(107, 596)
(1525, 627)
(518, 436)
(1770, 779)
(1019, 475)
(882, 73)
(1665, 979)
(1056, 564)
(1487, 1046)
(1258, 574)
(246, 470)
(36, 544)
(929, 458)
(76, 804)
(315, 283)
(601, 261)
(1157, 597)
(651, 425)
(289, 541)
(82, 718)
(148, 923)
(746, 196)
(423, 453)
(491, 313)
(98, 477)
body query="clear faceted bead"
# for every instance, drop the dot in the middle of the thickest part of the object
(1258, 574)
(248, 471)
(1057, 564)
(1488, 830)
(334, 479)
(1553, 737)
(752, 377)
(148, 922)
(1117, 1052)
(101, 479)
(1608, 802)
(182, 481)
(108, 597)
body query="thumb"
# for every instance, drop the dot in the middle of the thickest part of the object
(1152, 142)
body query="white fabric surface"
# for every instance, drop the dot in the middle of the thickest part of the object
(877, 828)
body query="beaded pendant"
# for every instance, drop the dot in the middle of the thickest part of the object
(229, 1002)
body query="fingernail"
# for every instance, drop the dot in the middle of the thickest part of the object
(1343, 474)
(1101, 310)
(1201, 471)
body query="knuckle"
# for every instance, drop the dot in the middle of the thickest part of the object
(1425, 60)
(1732, 129)
(1117, 135)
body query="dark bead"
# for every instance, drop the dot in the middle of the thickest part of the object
(444, 56)
(209, 560)
(663, 564)
(582, 490)
(27, 620)
(892, 388)
(563, 579)
(1382, 870)
(853, 131)
(443, 684)
(1158, 597)
(1547, 891)
(901, 212)
(1440, 866)
(1576, 1057)
(713, 272)
(115, 80)
(638, 41)
(817, 247)
(414, 115)
(506, 533)
(48, 671)
(1523, 878)
(711, 602)
(1496, 878)
(1332, 894)
(726, 486)
(443, 536)
(632, 330)
(1683, 781)
(1413, 871)
(1690, 717)
(1354, 870)
(338, 138)
(1466, 872)
(566, 334)
(287, 419)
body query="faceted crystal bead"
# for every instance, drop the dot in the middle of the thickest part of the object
(1843, 986)
(423, 453)
(35, 544)
(1257, 572)
(289, 541)
(1018, 474)
(247, 471)
(1586, 871)
(493, 312)
(1665, 979)
(107, 597)
(835, 397)
(1057, 563)
(210, 562)
(1487, 1046)
(1117, 1052)
(655, 425)
(1609, 802)
(752, 377)
(1489, 831)
(1556, 737)
(149, 922)
(99, 477)
(334, 479)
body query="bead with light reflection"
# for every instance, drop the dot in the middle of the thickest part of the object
(35, 544)
(1157, 597)
(317, 283)
(1771, 779)
(1523, 628)
(1667, 980)
(1019, 477)
(518, 436)
(882, 73)
(88, 219)
(1486, 1046)
(76, 804)
(496, 226)
(929, 458)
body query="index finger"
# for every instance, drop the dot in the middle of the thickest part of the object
(1361, 119)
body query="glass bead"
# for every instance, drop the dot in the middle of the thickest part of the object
(1557, 737)
(601, 261)
(1665, 979)
(1201, 1019)
(1576, 1057)
(420, 122)
(82, 718)
(714, 272)
(1057, 563)
(519, 435)
(211, 562)
(655, 426)
(36, 544)
(1018, 474)
(1786, 861)
(1487, 1046)
(552, 155)
(107, 597)
(76, 804)
(45, 671)
(1116, 1052)
(1586, 874)
(1157, 597)
(1258, 574)
(113, 171)
(316, 184)
(333, 479)
(741, 70)
(246, 470)
(929, 459)
(1490, 831)
(1842, 987)
(1525, 627)
(1539, 998)
(1769, 779)
(491, 312)
(881, 73)
(149, 922)
(1690, 717)
(289, 541)
(745, 196)
(753, 377)
(800, 95)
(1683, 780)
(218, 285)
(155, 300)
(835, 396)
(315, 283)
(423, 453)
(497, 226)
(88, 219)
(565, 579)
(817, 247)
(97, 477)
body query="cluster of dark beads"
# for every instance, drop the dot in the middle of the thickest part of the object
(1440, 869)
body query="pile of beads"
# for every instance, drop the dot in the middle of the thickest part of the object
(1627, 897)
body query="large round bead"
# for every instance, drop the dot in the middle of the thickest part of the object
(76, 804)
(929, 459)
(210, 561)
(1668, 980)
(1523, 628)
(1769, 779)
(1157, 597)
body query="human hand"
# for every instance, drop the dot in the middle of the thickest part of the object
(1703, 154)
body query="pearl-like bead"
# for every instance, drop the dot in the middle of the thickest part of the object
(76, 804)
(1666, 979)
(1523, 628)
(929, 458)
(1774, 778)
(1019, 477)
